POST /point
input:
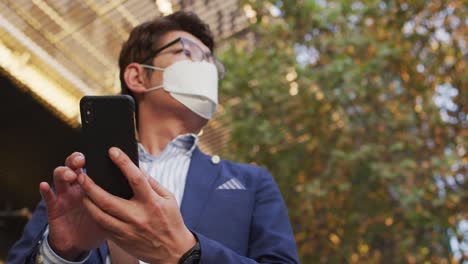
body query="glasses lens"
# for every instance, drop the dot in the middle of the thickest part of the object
(192, 50)
(195, 53)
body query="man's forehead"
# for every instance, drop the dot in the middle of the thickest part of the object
(172, 35)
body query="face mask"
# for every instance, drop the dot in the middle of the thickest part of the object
(194, 84)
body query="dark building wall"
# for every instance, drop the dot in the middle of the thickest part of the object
(33, 141)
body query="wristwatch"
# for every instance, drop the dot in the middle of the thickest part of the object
(192, 256)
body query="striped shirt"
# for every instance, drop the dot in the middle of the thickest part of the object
(169, 168)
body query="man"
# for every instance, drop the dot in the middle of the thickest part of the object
(188, 207)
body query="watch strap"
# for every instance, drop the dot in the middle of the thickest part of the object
(192, 256)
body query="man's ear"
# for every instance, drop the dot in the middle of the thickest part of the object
(135, 78)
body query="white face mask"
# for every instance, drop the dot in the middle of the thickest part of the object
(194, 84)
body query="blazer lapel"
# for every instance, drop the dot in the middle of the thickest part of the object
(200, 184)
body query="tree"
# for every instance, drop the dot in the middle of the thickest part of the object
(359, 110)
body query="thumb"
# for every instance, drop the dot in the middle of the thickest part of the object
(49, 198)
(158, 188)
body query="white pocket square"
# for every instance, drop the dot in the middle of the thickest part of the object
(232, 184)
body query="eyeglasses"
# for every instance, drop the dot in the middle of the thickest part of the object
(193, 52)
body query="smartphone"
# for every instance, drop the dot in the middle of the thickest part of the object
(108, 121)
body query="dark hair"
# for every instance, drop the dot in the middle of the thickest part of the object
(145, 38)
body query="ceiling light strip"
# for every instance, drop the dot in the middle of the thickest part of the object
(43, 55)
(128, 16)
(109, 6)
(102, 14)
(75, 58)
(38, 83)
(75, 35)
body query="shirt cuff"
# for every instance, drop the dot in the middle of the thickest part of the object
(50, 257)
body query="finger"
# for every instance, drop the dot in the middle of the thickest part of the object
(47, 194)
(75, 161)
(106, 221)
(63, 177)
(135, 176)
(158, 188)
(111, 204)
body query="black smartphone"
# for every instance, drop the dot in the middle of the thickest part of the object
(108, 121)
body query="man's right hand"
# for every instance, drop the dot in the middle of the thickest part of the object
(72, 232)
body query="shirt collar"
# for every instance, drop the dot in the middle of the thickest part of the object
(186, 143)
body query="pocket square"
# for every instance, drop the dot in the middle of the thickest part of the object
(232, 184)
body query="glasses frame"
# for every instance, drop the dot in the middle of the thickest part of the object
(208, 56)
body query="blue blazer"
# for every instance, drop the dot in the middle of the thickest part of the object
(233, 225)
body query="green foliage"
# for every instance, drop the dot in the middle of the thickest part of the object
(336, 99)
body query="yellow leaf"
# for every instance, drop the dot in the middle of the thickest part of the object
(334, 239)
(389, 221)
(363, 249)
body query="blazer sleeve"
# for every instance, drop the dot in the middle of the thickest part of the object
(271, 237)
(25, 249)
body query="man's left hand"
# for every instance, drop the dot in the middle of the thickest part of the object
(149, 226)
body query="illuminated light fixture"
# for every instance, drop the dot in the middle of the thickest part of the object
(38, 83)
(44, 56)
(69, 29)
(127, 15)
(164, 6)
(29, 75)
